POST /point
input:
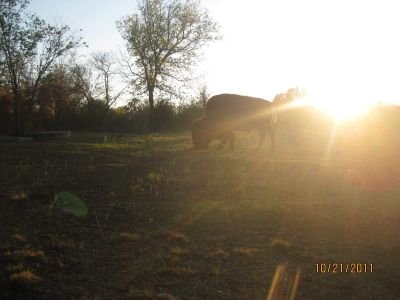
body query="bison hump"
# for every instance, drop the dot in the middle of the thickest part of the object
(232, 106)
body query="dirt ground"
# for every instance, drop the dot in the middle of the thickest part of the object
(209, 224)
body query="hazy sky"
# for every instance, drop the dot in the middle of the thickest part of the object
(347, 49)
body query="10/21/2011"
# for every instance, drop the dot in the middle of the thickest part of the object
(339, 268)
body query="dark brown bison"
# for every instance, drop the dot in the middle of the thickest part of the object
(227, 113)
(205, 130)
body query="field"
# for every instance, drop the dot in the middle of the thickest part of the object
(209, 224)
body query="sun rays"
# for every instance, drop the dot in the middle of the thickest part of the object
(341, 109)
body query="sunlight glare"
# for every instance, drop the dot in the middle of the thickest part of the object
(338, 107)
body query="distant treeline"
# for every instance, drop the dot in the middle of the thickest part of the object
(59, 109)
(65, 102)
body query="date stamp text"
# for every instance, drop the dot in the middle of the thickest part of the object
(339, 268)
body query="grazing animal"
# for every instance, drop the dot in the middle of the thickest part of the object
(227, 113)
(203, 131)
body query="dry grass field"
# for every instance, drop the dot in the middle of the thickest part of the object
(210, 224)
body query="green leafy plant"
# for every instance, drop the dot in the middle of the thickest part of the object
(70, 203)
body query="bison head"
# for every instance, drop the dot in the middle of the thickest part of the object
(200, 133)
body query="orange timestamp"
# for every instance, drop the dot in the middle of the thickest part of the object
(339, 268)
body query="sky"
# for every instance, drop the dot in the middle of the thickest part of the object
(342, 49)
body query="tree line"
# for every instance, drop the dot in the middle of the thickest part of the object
(44, 85)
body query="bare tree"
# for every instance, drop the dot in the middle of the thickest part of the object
(164, 38)
(84, 81)
(105, 64)
(203, 96)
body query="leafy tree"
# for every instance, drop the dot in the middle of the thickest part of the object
(59, 99)
(28, 47)
(163, 38)
(291, 95)
(292, 117)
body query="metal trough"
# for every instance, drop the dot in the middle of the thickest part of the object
(50, 135)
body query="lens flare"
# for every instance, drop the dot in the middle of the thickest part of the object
(339, 108)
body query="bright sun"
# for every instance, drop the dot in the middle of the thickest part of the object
(343, 110)
(340, 108)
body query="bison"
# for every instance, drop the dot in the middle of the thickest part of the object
(227, 113)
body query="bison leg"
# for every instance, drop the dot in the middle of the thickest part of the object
(262, 131)
(232, 140)
(228, 137)
(272, 136)
(196, 138)
(222, 144)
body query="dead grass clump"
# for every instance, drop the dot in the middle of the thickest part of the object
(246, 251)
(217, 271)
(178, 236)
(29, 253)
(19, 237)
(165, 296)
(280, 244)
(25, 276)
(15, 268)
(129, 237)
(179, 251)
(219, 253)
(18, 195)
(174, 259)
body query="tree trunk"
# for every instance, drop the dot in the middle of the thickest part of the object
(152, 125)
(108, 98)
(17, 115)
(28, 116)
